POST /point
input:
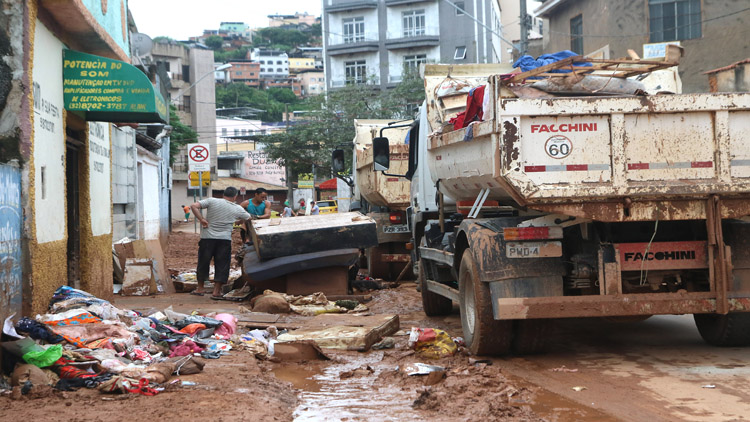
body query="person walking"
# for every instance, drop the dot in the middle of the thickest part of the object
(216, 238)
(186, 210)
(288, 212)
(314, 210)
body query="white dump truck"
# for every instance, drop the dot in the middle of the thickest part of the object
(383, 197)
(605, 206)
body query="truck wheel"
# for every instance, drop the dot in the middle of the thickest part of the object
(531, 336)
(729, 330)
(482, 333)
(432, 303)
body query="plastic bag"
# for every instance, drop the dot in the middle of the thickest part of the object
(228, 327)
(44, 358)
(197, 319)
(432, 343)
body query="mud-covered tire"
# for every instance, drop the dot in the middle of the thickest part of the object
(531, 336)
(482, 333)
(731, 330)
(432, 303)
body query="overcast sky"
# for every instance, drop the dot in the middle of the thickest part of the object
(180, 19)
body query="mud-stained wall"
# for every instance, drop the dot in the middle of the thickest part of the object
(624, 24)
(96, 251)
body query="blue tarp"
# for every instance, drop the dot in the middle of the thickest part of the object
(527, 62)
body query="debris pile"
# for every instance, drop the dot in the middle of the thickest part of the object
(86, 342)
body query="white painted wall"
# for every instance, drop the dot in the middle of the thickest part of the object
(100, 190)
(372, 60)
(395, 22)
(49, 137)
(396, 60)
(336, 25)
(148, 173)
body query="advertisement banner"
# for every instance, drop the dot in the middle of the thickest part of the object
(258, 167)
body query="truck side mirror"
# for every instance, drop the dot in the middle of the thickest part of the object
(337, 160)
(381, 154)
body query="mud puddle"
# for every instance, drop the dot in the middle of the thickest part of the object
(342, 391)
(554, 407)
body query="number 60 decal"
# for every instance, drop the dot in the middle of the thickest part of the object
(558, 146)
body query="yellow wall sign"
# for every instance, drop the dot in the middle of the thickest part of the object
(195, 179)
(107, 90)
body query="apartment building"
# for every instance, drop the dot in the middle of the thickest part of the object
(245, 71)
(274, 64)
(375, 41)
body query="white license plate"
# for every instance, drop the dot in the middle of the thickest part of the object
(399, 228)
(533, 249)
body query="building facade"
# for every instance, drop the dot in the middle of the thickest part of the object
(375, 41)
(245, 71)
(274, 64)
(611, 28)
(56, 161)
(193, 92)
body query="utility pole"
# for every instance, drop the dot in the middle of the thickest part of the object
(289, 189)
(525, 23)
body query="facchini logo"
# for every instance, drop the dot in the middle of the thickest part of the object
(564, 127)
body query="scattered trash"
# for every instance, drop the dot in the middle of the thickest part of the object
(709, 386)
(188, 383)
(563, 369)
(386, 343)
(432, 343)
(579, 388)
(421, 369)
(474, 361)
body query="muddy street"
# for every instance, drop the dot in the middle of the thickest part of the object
(657, 370)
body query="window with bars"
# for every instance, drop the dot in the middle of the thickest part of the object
(354, 30)
(414, 23)
(411, 63)
(355, 72)
(672, 20)
(576, 34)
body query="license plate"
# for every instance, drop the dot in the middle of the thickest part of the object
(399, 228)
(533, 249)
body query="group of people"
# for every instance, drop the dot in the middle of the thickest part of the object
(217, 226)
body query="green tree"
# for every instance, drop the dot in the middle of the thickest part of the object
(279, 38)
(182, 134)
(329, 121)
(271, 101)
(214, 42)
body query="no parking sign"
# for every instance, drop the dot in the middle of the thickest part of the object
(198, 157)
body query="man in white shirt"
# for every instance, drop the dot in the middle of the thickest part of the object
(216, 238)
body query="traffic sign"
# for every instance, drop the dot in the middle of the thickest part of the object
(195, 178)
(199, 157)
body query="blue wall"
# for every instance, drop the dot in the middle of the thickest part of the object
(10, 241)
(113, 20)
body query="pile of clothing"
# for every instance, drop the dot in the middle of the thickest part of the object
(86, 342)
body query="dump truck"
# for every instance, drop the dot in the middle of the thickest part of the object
(383, 197)
(607, 206)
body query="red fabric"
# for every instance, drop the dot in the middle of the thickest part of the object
(473, 111)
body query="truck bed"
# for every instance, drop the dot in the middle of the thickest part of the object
(604, 158)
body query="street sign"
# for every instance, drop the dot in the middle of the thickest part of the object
(198, 157)
(243, 191)
(195, 178)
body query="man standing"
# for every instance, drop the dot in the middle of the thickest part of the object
(314, 210)
(259, 206)
(216, 238)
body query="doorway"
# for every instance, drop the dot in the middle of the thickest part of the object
(72, 195)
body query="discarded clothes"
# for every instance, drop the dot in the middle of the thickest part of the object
(37, 331)
(527, 62)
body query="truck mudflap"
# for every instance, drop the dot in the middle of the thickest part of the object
(490, 249)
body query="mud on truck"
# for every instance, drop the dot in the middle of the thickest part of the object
(383, 197)
(616, 205)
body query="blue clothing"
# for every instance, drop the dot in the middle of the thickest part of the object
(256, 209)
(527, 62)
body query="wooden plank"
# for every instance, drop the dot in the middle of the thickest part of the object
(345, 332)
(160, 265)
(314, 233)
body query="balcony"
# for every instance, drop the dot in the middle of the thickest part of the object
(352, 5)
(412, 42)
(352, 48)
(406, 2)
